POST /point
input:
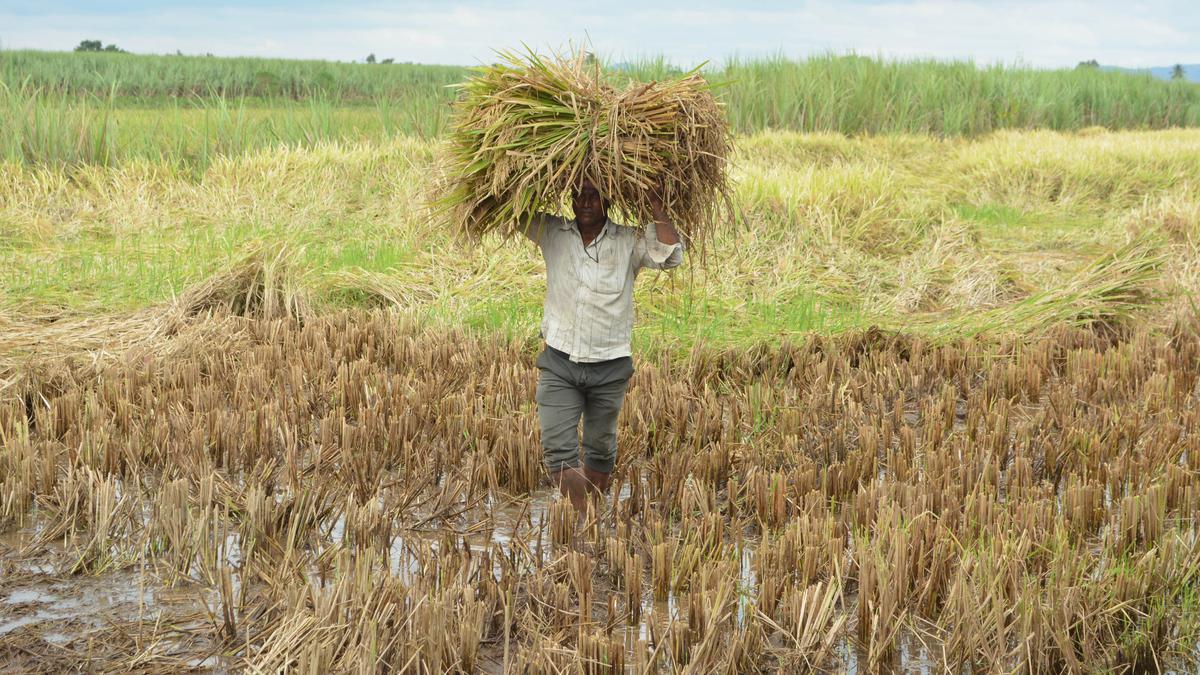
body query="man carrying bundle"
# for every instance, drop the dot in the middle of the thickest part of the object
(526, 132)
(587, 325)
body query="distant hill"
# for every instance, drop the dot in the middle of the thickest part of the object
(1191, 71)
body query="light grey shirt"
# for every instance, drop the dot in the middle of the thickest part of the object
(589, 289)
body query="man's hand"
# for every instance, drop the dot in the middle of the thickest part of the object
(656, 204)
(664, 228)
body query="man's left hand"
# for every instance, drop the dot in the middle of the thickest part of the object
(656, 202)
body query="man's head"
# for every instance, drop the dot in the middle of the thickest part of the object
(591, 209)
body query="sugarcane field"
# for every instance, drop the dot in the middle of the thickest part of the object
(565, 363)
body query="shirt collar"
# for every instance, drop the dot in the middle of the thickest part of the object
(572, 225)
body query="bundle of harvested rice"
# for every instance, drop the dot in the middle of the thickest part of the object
(264, 284)
(528, 129)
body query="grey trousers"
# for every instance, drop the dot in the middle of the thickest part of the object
(567, 391)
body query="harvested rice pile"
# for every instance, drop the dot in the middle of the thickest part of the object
(526, 130)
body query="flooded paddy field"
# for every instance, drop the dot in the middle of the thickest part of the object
(354, 492)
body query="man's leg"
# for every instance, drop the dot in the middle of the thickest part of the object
(603, 404)
(560, 405)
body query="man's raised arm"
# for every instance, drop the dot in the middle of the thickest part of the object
(661, 246)
(535, 228)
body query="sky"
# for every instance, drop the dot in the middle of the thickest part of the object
(1045, 33)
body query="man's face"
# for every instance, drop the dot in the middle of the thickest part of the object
(590, 209)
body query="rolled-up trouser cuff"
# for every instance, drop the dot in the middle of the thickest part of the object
(601, 465)
(557, 460)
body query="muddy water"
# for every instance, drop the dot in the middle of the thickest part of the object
(55, 617)
(46, 610)
(500, 525)
(60, 621)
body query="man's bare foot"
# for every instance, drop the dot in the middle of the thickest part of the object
(572, 483)
(598, 481)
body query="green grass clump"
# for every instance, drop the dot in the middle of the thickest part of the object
(41, 129)
(855, 94)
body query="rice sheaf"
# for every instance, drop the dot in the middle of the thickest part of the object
(525, 130)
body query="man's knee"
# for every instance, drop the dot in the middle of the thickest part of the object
(560, 437)
(560, 406)
(600, 439)
(600, 434)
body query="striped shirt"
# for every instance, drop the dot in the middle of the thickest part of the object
(589, 289)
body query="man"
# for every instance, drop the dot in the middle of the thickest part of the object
(587, 324)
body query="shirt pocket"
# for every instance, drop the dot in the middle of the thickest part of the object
(611, 272)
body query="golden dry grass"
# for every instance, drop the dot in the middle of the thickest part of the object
(358, 492)
(273, 484)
